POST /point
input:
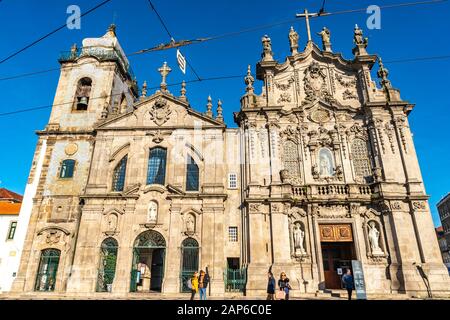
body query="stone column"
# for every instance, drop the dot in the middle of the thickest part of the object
(171, 282)
(280, 233)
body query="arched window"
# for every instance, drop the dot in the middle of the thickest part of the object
(192, 182)
(83, 94)
(48, 268)
(119, 175)
(360, 157)
(156, 173)
(290, 159)
(107, 268)
(67, 168)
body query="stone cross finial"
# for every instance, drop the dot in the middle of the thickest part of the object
(183, 91)
(112, 30)
(267, 54)
(209, 107)
(360, 41)
(164, 71)
(326, 35)
(293, 41)
(383, 73)
(249, 80)
(219, 111)
(144, 90)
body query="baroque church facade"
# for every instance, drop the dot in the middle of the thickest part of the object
(137, 191)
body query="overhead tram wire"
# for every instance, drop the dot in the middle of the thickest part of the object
(51, 33)
(171, 36)
(235, 33)
(206, 79)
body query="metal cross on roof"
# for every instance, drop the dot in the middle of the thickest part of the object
(164, 71)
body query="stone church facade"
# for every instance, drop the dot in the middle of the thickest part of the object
(137, 191)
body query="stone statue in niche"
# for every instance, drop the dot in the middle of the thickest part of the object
(374, 237)
(152, 212)
(111, 222)
(325, 163)
(299, 236)
(190, 224)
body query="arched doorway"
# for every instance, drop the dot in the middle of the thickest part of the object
(107, 267)
(147, 271)
(189, 262)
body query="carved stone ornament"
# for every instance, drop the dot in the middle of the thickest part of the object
(160, 111)
(254, 207)
(419, 205)
(320, 116)
(315, 85)
(53, 237)
(396, 205)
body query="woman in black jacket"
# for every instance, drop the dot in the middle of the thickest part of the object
(284, 285)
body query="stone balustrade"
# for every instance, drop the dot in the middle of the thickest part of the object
(332, 191)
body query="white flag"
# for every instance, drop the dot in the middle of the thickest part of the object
(181, 61)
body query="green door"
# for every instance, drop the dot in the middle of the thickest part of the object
(189, 263)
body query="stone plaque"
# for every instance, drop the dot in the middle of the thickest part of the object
(336, 233)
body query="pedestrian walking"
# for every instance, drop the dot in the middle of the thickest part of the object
(270, 286)
(194, 285)
(284, 286)
(203, 281)
(347, 280)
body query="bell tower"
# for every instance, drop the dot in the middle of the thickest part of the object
(96, 81)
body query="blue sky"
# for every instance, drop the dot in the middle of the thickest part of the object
(407, 32)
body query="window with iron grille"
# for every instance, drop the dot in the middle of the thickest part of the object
(290, 158)
(192, 182)
(119, 175)
(232, 234)
(12, 230)
(232, 181)
(360, 158)
(156, 171)
(67, 168)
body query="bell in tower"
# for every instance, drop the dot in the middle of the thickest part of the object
(83, 93)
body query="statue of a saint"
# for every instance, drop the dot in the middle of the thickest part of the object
(152, 211)
(324, 166)
(293, 41)
(326, 35)
(299, 236)
(190, 224)
(374, 236)
(358, 37)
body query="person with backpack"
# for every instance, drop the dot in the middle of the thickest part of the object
(284, 286)
(270, 286)
(194, 285)
(203, 281)
(347, 280)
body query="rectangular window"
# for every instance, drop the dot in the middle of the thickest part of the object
(12, 230)
(232, 181)
(156, 171)
(232, 234)
(67, 168)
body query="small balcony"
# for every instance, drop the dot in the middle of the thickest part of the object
(329, 192)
